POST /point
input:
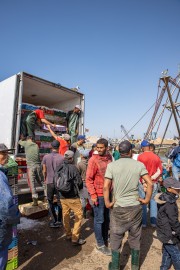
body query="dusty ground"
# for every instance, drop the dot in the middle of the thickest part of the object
(54, 252)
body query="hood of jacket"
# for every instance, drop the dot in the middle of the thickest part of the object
(162, 198)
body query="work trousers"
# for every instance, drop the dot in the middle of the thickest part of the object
(101, 222)
(51, 191)
(171, 255)
(31, 124)
(123, 219)
(35, 175)
(76, 207)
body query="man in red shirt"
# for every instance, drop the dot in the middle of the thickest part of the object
(95, 181)
(29, 122)
(153, 165)
(64, 141)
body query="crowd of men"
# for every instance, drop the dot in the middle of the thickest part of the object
(116, 187)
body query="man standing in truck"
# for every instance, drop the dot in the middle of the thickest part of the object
(72, 119)
(30, 120)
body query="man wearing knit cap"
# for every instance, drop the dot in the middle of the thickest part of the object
(72, 119)
(69, 197)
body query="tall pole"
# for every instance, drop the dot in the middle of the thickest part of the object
(167, 125)
(166, 80)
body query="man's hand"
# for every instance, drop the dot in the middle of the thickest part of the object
(48, 126)
(143, 201)
(22, 137)
(94, 200)
(110, 204)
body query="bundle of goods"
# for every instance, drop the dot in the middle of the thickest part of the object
(12, 167)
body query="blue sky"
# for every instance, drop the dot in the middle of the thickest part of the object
(114, 50)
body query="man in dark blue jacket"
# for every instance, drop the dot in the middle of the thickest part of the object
(168, 226)
(9, 213)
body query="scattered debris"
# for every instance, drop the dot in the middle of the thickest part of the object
(29, 224)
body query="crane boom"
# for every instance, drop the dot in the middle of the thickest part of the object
(125, 132)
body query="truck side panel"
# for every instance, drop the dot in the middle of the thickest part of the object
(8, 105)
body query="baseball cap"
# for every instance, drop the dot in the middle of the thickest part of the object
(84, 153)
(55, 144)
(125, 147)
(81, 137)
(78, 107)
(69, 154)
(66, 137)
(144, 143)
(170, 182)
(3, 148)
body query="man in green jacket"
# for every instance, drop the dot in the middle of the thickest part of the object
(34, 166)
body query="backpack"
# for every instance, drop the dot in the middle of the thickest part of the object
(62, 179)
(176, 161)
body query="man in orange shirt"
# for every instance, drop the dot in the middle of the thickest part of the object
(64, 141)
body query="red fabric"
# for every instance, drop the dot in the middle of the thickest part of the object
(91, 153)
(64, 145)
(151, 161)
(40, 114)
(95, 174)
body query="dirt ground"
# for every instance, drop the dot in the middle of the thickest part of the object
(52, 251)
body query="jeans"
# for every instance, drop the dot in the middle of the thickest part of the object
(125, 219)
(101, 222)
(176, 172)
(3, 258)
(171, 255)
(153, 205)
(51, 191)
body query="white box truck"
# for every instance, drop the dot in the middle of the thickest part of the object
(26, 88)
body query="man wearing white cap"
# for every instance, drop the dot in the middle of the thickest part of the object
(72, 119)
(64, 141)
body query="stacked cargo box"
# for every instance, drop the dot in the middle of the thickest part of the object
(13, 247)
(42, 135)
